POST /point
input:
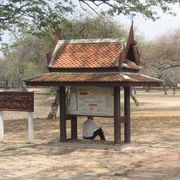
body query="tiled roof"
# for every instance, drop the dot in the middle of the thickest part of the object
(86, 54)
(54, 78)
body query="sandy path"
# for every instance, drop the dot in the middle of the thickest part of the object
(153, 154)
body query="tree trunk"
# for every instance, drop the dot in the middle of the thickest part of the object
(148, 89)
(23, 86)
(165, 91)
(137, 103)
(174, 90)
(54, 107)
(6, 84)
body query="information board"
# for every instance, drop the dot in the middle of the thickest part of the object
(17, 101)
(91, 101)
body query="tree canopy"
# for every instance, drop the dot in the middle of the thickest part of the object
(131, 7)
(25, 13)
(43, 13)
(161, 58)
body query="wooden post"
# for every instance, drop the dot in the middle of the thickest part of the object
(1, 127)
(74, 127)
(117, 123)
(62, 114)
(127, 125)
(30, 127)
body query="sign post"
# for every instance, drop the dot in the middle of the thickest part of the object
(17, 101)
(1, 127)
(30, 127)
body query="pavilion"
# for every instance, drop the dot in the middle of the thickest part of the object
(95, 63)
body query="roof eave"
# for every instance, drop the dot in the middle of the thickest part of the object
(93, 83)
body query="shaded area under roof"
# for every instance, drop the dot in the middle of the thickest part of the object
(97, 79)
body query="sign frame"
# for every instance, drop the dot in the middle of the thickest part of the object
(97, 97)
(17, 101)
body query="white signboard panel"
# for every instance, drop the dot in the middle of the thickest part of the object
(91, 101)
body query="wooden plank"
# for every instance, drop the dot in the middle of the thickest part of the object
(117, 123)
(127, 125)
(63, 136)
(74, 127)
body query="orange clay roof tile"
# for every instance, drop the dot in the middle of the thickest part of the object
(87, 55)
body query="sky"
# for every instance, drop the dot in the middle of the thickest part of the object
(151, 30)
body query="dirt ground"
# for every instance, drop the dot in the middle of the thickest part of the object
(153, 154)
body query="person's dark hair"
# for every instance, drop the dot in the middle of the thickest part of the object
(90, 117)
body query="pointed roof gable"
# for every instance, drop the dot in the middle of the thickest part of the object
(131, 51)
(57, 38)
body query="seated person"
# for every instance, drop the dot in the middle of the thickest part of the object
(91, 129)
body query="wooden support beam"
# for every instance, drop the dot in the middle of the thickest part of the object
(62, 114)
(74, 127)
(127, 124)
(117, 122)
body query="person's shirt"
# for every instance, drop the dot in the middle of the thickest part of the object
(89, 126)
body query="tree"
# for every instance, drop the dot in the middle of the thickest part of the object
(161, 59)
(92, 27)
(32, 13)
(25, 58)
(148, 9)
(3, 67)
(48, 13)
